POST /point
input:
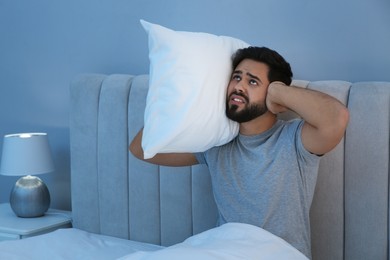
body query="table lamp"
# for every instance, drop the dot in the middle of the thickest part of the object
(25, 155)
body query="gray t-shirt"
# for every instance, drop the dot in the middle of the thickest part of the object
(267, 180)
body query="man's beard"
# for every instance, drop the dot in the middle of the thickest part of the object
(251, 111)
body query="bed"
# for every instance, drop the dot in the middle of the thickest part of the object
(123, 208)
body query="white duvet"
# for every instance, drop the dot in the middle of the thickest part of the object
(70, 244)
(228, 242)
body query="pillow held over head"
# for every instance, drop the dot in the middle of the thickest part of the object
(185, 107)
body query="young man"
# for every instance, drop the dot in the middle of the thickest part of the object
(266, 176)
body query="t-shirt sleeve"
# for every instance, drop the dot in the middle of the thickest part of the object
(302, 152)
(201, 158)
(308, 162)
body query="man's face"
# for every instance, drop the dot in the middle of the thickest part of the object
(247, 91)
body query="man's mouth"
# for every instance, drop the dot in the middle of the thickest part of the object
(237, 99)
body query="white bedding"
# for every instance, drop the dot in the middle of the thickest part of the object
(229, 241)
(70, 243)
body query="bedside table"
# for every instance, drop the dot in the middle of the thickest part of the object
(13, 227)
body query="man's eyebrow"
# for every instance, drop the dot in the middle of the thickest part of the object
(253, 76)
(249, 74)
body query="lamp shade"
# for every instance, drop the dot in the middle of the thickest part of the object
(26, 154)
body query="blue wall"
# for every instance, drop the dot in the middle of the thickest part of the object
(45, 43)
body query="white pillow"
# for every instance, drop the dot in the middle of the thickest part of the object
(185, 107)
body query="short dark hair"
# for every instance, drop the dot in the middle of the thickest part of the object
(279, 68)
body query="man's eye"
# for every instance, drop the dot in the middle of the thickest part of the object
(236, 77)
(253, 82)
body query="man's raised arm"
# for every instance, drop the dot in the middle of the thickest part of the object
(325, 117)
(166, 159)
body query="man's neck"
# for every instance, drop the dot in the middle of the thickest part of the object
(258, 125)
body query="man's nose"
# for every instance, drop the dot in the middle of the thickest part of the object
(239, 87)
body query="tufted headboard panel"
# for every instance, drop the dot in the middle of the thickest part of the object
(115, 194)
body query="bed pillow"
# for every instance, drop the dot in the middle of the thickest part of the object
(185, 107)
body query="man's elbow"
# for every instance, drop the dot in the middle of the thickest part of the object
(342, 120)
(336, 130)
(136, 150)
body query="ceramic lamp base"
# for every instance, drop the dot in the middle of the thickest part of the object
(30, 197)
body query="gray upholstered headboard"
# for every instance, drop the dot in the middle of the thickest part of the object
(115, 194)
